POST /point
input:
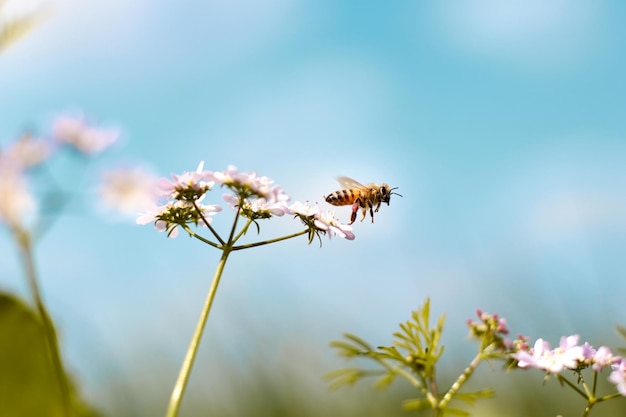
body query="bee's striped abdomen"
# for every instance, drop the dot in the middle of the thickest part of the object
(342, 197)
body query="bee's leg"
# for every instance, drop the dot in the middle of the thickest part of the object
(364, 212)
(377, 207)
(355, 208)
(372, 213)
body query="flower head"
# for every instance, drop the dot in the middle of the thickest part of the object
(320, 222)
(327, 222)
(245, 185)
(28, 151)
(16, 202)
(568, 355)
(490, 330)
(128, 190)
(87, 139)
(188, 186)
(618, 376)
(173, 214)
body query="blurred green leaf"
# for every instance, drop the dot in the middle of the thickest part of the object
(416, 404)
(28, 386)
(471, 397)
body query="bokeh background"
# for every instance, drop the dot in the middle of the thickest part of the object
(501, 122)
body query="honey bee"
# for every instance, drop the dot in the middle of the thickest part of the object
(369, 196)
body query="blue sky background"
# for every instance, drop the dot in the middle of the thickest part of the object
(502, 124)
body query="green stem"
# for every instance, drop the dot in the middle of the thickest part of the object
(26, 252)
(267, 242)
(243, 231)
(586, 395)
(208, 225)
(200, 238)
(232, 230)
(463, 378)
(185, 371)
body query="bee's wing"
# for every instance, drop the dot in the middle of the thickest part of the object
(348, 183)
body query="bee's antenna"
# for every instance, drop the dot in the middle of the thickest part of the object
(394, 188)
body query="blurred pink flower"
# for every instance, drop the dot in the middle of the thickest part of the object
(76, 132)
(128, 191)
(16, 201)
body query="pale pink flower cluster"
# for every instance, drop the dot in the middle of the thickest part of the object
(19, 158)
(242, 181)
(188, 186)
(570, 355)
(16, 201)
(257, 196)
(128, 190)
(183, 202)
(324, 221)
(169, 216)
(618, 376)
(75, 131)
(28, 151)
(253, 196)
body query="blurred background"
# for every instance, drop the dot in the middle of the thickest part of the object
(501, 122)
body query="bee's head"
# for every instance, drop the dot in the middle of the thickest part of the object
(386, 192)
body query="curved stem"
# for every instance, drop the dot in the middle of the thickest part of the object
(232, 230)
(585, 395)
(267, 242)
(185, 371)
(243, 231)
(26, 252)
(200, 238)
(208, 225)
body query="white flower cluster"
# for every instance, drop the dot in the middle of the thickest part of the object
(253, 196)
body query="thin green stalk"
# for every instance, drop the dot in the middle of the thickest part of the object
(266, 242)
(200, 238)
(26, 252)
(243, 231)
(185, 370)
(208, 225)
(463, 378)
(585, 394)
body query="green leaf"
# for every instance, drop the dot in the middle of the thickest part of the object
(385, 380)
(391, 353)
(416, 404)
(471, 397)
(341, 377)
(455, 412)
(28, 385)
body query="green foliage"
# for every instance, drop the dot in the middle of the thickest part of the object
(413, 356)
(28, 385)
